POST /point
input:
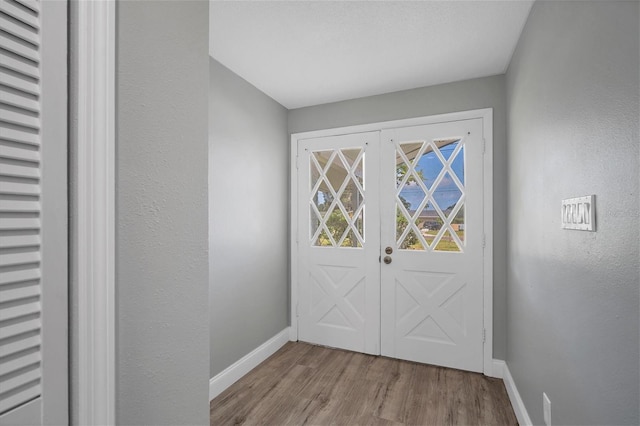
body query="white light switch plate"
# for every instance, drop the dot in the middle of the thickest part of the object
(579, 213)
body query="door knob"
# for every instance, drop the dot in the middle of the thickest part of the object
(388, 250)
(387, 259)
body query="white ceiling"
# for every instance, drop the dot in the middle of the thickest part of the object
(305, 53)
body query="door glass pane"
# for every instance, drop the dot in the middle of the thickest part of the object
(337, 198)
(430, 197)
(429, 223)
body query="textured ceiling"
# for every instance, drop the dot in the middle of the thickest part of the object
(305, 53)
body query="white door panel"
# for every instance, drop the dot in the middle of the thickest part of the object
(432, 219)
(338, 240)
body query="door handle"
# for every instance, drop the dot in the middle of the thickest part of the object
(387, 259)
(388, 250)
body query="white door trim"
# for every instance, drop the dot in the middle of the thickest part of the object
(486, 115)
(95, 230)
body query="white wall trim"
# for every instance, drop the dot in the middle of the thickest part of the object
(95, 243)
(221, 381)
(498, 369)
(486, 114)
(516, 401)
(487, 134)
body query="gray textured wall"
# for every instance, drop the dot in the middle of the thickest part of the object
(573, 130)
(161, 216)
(249, 209)
(486, 92)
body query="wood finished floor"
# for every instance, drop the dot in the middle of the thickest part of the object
(305, 384)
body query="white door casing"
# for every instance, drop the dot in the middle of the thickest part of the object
(432, 221)
(33, 212)
(485, 141)
(339, 241)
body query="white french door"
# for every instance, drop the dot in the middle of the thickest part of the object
(339, 242)
(432, 232)
(390, 242)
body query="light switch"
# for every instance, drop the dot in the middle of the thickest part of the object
(579, 213)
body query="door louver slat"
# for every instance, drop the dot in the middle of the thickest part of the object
(19, 118)
(20, 311)
(13, 9)
(23, 48)
(31, 4)
(13, 259)
(19, 276)
(20, 135)
(21, 154)
(25, 84)
(18, 241)
(17, 223)
(15, 330)
(20, 204)
(19, 398)
(20, 293)
(25, 32)
(20, 343)
(19, 65)
(22, 102)
(20, 171)
(20, 362)
(28, 376)
(19, 188)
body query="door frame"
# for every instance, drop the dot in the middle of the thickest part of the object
(94, 229)
(486, 114)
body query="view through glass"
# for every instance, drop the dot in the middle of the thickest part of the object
(337, 198)
(430, 190)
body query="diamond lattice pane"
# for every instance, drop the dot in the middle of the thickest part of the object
(401, 223)
(429, 223)
(457, 165)
(358, 171)
(351, 240)
(447, 194)
(359, 224)
(351, 197)
(411, 242)
(337, 224)
(447, 146)
(411, 195)
(322, 198)
(315, 173)
(322, 240)
(351, 155)
(337, 201)
(457, 223)
(428, 167)
(314, 224)
(410, 151)
(447, 243)
(322, 157)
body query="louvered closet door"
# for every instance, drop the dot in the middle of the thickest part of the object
(33, 212)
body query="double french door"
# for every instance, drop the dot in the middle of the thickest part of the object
(390, 243)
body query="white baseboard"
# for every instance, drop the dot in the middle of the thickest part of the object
(497, 369)
(293, 334)
(236, 371)
(516, 401)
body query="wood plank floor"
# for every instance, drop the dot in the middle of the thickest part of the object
(306, 384)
